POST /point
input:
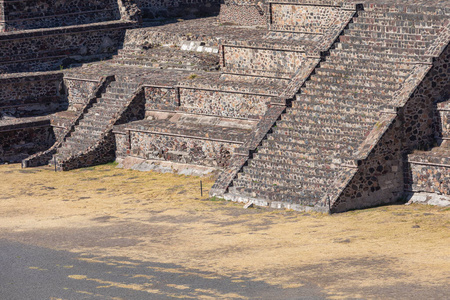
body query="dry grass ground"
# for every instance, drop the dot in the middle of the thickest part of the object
(390, 252)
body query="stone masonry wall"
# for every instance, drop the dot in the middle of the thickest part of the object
(31, 95)
(235, 105)
(431, 179)
(20, 142)
(178, 149)
(78, 91)
(32, 14)
(419, 111)
(262, 62)
(160, 98)
(302, 18)
(49, 49)
(381, 177)
(154, 9)
(244, 15)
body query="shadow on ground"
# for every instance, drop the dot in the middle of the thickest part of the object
(29, 272)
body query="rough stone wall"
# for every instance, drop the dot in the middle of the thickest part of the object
(143, 37)
(302, 18)
(262, 62)
(160, 98)
(32, 14)
(31, 95)
(244, 15)
(78, 91)
(17, 144)
(155, 9)
(379, 178)
(430, 178)
(384, 175)
(419, 112)
(178, 149)
(235, 105)
(49, 49)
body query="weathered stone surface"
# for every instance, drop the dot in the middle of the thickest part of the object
(303, 104)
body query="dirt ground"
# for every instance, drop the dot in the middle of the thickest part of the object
(154, 226)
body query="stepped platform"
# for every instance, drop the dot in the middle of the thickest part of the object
(47, 49)
(324, 152)
(316, 110)
(183, 138)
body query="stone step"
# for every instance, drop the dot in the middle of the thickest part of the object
(123, 85)
(287, 183)
(394, 29)
(360, 74)
(276, 193)
(336, 114)
(326, 156)
(306, 162)
(166, 57)
(357, 103)
(272, 146)
(369, 55)
(387, 14)
(167, 54)
(317, 135)
(335, 107)
(82, 138)
(313, 143)
(388, 43)
(340, 128)
(406, 22)
(110, 95)
(88, 129)
(95, 122)
(307, 169)
(389, 35)
(304, 178)
(75, 145)
(361, 97)
(108, 102)
(409, 9)
(101, 113)
(348, 88)
(354, 81)
(365, 49)
(364, 65)
(120, 90)
(322, 118)
(157, 65)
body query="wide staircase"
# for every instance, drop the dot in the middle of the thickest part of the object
(96, 124)
(311, 150)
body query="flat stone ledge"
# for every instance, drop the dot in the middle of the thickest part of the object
(428, 198)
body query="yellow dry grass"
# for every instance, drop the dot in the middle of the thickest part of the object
(349, 255)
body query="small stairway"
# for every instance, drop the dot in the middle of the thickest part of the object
(312, 147)
(96, 123)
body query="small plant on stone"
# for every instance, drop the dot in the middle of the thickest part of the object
(192, 76)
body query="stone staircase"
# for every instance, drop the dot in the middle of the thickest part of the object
(96, 124)
(306, 157)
